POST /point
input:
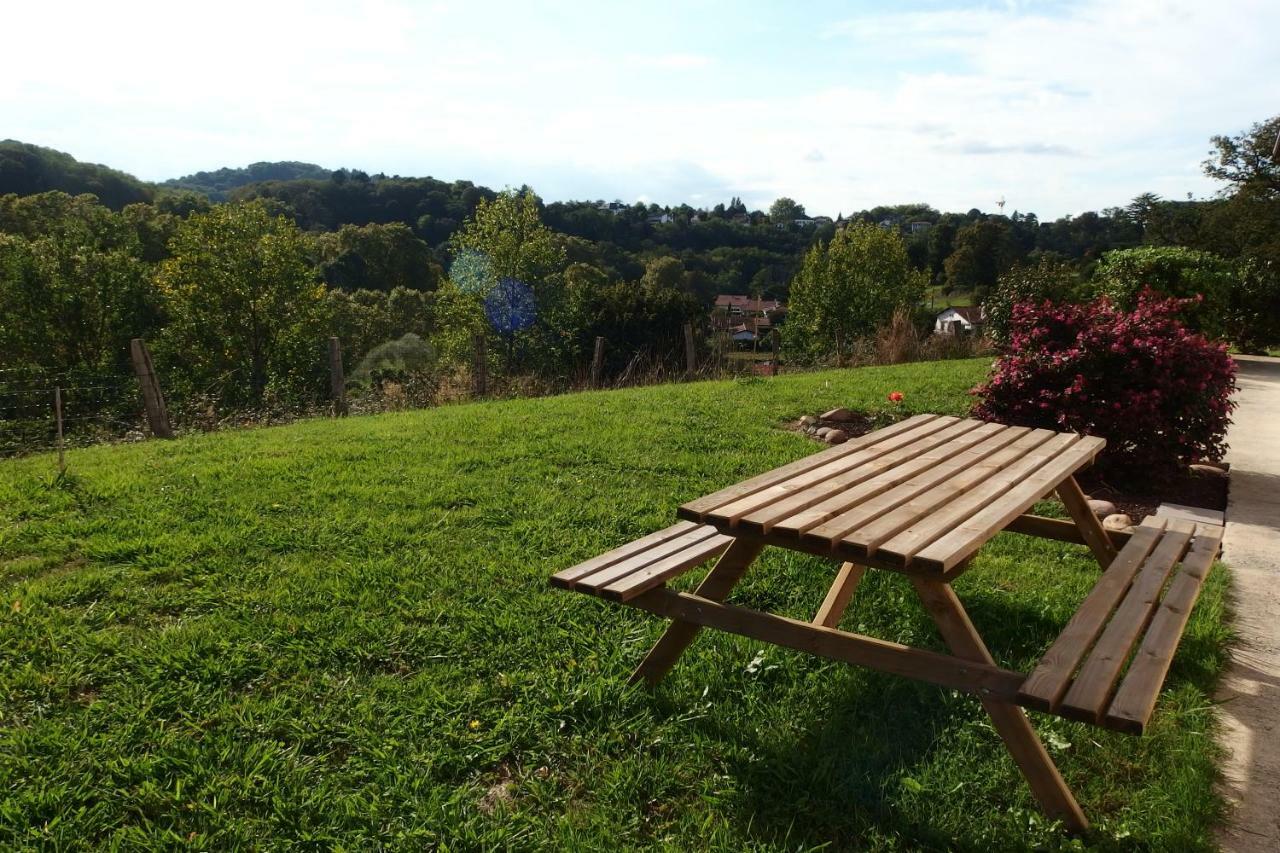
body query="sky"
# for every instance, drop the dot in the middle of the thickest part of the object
(1056, 107)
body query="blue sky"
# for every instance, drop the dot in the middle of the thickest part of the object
(1056, 107)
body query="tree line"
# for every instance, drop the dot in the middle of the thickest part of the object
(237, 296)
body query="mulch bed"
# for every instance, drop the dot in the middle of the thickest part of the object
(1196, 487)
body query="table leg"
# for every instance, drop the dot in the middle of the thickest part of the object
(833, 606)
(1009, 720)
(1095, 535)
(716, 586)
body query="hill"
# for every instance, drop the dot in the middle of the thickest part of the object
(218, 183)
(26, 169)
(339, 633)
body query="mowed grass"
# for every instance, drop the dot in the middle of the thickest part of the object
(339, 633)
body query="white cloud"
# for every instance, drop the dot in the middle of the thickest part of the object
(1059, 110)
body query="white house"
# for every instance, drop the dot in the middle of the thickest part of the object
(964, 319)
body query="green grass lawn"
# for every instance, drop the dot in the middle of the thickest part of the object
(340, 633)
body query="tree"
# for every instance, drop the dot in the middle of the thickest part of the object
(245, 306)
(849, 288)
(1247, 161)
(785, 211)
(74, 287)
(377, 257)
(1123, 274)
(1049, 280)
(983, 250)
(506, 254)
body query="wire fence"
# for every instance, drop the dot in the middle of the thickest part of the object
(42, 410)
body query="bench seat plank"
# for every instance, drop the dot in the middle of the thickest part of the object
(1087, 698)
(1049, 681)
(566, 578)
(658, 573)
(1136, 698)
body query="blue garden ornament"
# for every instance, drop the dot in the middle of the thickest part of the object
(510, 307)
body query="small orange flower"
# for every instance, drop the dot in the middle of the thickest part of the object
(895, 396)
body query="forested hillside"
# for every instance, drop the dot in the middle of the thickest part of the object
(27, 169)
(218, 183)
(238, 297)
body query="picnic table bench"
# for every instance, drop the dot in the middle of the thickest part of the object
(921, 497)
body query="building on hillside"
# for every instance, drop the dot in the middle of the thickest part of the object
(737, 305)
(660, 219)
(959, 320)
(745, 322)
(919, 227)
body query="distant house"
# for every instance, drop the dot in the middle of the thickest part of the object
(660, 219)
(959, 320)
(919, 227)
(737, 304)
(614, 207)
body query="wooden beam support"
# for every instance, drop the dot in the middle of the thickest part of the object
(1060, 530)
(838, 597)
(1095, 535)
(716, 586)
(945, 670)
(1010, 721)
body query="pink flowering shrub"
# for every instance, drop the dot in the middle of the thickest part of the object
(1158, 393)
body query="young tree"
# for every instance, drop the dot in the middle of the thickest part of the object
(784, 211)
(1122, 275)
(850, 287)
(244, 305)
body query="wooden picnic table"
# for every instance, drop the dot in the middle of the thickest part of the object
(921, 497)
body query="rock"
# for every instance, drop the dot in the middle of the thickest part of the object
(1102, 508)
(839, 415)
(808, 421)
(822, 432)
(1117, 521)
(836, 436)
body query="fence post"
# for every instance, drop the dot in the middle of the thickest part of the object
(337, 380)
(597, 362)
(480, 366)
(152, 399)
(777, 352)
(57, 414)
(690, 356)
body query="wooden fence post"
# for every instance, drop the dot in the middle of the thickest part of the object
(337, 380)
(597, 362)
(777, 352)
(57, 413)
(152, 399)
(690, 355)
(480, 367)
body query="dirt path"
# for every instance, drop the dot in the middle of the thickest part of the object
(1250, 692)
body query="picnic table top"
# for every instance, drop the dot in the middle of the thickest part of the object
(922, 495)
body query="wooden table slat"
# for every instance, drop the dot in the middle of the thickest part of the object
(920, 520)
(959, 544)
(833, 518)
(731, 512)
(695, 510)
(892, 465)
